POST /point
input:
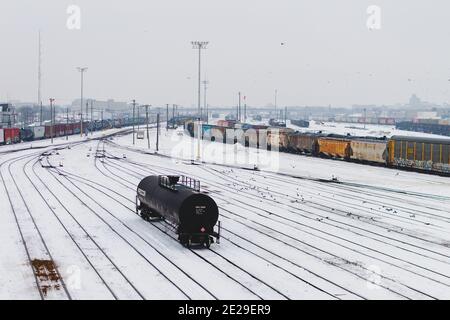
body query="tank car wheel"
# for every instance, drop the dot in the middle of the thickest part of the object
(208, 242)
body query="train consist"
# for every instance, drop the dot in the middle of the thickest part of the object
(429, 155)
(37, 132)
(178, 200)
(300, 123)
(441, 127)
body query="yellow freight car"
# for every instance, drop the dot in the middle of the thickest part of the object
(334, 147)
(424, 154)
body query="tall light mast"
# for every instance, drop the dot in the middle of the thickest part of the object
(39, 97)
(81, 70)
(199, 45)
(205, 105)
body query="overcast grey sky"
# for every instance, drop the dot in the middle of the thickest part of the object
(141, 49)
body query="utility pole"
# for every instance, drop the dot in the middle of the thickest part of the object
(87, 110)
(245, 108)
(134, 108)
(199, 45)
(167, 117)
(139, 119)
(146, 116)
(51, 116)
(87, 117)
(365, 118)
(157, 132)
(276, 114)
(239, 108)
(205, 105)
(285, 116)
(67, 123)
(82, 70)
(40, 76)
(173, 115)
(92, 117)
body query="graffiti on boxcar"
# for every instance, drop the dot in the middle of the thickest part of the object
(424, 165)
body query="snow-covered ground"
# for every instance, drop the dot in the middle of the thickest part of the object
(286, 234)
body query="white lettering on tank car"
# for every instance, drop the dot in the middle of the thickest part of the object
(141, 192)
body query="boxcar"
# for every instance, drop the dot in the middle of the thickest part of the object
(306, 143)
(76, 128)
(278, 138)
(213, 133)
(38, 132)
(26, 134)
(218, 134)
(423, 154)
(256, 136)
(48, 131)
(334, 147)
(60, 129)
(11, 135)
(368, 150)
(69, 128)
(226, 123)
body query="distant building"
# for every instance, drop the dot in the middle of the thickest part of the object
(427, 115)
(109, 104)
(415, 101)
(6, 115)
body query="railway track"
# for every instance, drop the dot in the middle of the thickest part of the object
(130, 209)
(105, 209)
(46, 273)
(228, 275)
(323, 217)
(297, 246)
(82, 236)
(266, 234)
(99, 188)
(419, 266)
(48, 279)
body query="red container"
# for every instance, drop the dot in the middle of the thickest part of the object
(11, 135)
(69, 128)
(48, 131)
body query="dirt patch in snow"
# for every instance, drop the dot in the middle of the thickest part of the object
(45, 271)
